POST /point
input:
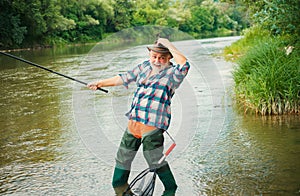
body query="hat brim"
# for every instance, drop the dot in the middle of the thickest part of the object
(160, 49)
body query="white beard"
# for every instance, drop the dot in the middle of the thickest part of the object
(157, 68)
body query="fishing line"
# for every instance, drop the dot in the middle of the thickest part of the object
(49, 70)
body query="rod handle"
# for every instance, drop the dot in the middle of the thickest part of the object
(101, 89)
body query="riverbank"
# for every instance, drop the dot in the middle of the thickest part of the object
(45, 47)
(124, 37)
(267, 79)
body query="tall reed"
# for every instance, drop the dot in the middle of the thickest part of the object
(267, 79)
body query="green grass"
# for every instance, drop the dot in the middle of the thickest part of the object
(267, 80)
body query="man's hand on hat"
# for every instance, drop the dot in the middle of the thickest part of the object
(178, 56)
(165, 42)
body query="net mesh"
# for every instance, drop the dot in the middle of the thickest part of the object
(143, 184)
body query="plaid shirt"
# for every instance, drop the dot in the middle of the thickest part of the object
(151, 104)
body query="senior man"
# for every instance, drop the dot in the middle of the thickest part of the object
(150, 113)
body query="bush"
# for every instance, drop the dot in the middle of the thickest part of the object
(251, 37)
(267, 79)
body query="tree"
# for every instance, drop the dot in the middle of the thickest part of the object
(12, 33)
(35, 22)
(90, 17)
(123, 10)
(279, 16)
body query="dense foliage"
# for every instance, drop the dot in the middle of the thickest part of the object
(280, 17)
(50, 22)
(267, 78)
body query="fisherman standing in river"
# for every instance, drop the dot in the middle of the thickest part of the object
(150, 112)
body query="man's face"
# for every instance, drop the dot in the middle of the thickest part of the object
(159, 60)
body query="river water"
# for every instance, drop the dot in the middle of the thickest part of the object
(60, 138)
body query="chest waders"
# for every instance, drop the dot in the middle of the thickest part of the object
(153, 153)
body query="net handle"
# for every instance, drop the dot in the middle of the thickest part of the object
(167, 153)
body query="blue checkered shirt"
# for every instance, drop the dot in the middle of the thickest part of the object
(151, 104)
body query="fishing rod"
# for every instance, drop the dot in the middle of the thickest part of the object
(44, 68)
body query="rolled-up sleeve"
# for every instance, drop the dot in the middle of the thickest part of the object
(179, 74)
(130, 76)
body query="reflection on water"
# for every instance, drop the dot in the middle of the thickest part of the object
(254, 156)
(43, 150)
(25, 104)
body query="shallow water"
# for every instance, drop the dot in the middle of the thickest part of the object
(60, 138)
